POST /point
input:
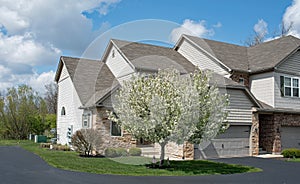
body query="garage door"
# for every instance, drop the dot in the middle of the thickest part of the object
(290, 137)
(233, 143)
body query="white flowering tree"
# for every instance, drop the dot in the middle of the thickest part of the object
(168, 106)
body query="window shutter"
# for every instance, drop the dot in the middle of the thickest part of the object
(282, 85)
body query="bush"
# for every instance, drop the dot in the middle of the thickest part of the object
(60, 147)
(291, 153)
(121, 152)
(115, 152)
(135, 152)
(87, 140)
(110, 152)
(45, 145)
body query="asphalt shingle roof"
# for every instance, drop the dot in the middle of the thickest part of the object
(264, 56)
(146, 57)
(92, 79)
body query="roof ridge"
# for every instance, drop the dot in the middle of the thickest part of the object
(71, 57)
(135, 42)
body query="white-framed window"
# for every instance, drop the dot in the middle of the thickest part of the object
(115, 129)
(86, 120)
(289, 86)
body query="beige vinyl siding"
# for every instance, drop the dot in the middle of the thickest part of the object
(292, 64)
(198, 58)
(281, 101)
(117, 64)
(262, 87)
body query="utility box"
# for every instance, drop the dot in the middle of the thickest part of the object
(40, 138)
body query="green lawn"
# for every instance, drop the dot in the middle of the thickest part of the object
(128, 165)
(294, 159)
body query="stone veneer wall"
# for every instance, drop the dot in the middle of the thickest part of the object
(175, 151)
(102, 123)
(254, 135)
(237, 75)
(270, 126)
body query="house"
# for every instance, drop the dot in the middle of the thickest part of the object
(270, 70)
(86, 88)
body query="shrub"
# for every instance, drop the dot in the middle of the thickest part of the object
(60, 147)
(45, 145)
(86, 140)
(291, 153)
(135, 152)
(121, 152)
(115, 152)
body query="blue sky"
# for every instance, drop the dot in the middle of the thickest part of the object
(34, 34)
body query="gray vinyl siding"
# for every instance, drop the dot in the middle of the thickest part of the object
(240, 107)
(292, 64)
(262, 87)
(281, 101)
(239, 99)
(198, 58)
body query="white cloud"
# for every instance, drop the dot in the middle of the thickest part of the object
(218, 25)
(34, 33)
(291, 16)
(261, 28)
(190, 27)
(23, 49)
(38, 81)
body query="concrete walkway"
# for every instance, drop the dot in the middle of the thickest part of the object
(18, 166)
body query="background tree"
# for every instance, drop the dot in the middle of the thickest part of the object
(51, 97)
(22, 111)
(170, 107)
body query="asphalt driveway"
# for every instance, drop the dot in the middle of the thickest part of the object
(20, 166)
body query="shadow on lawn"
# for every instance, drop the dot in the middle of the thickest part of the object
(202, 167)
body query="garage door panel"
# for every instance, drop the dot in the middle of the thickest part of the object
(234, 142)
(290, 137)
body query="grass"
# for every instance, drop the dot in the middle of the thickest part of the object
(128, 165)
(294, 159)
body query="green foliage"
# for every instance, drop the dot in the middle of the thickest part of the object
(135, 152)
(291, 153)
(116, 152)
(22, 111)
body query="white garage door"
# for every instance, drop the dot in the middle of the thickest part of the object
(290, 137)
(233, 143)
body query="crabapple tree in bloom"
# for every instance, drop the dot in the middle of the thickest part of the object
(168, 106)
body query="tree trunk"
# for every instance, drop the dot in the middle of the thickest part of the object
(162, 151)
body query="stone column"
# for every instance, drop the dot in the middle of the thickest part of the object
(254, 134)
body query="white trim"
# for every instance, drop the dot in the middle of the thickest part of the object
(291, 86)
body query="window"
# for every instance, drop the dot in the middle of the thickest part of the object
(289, 86)
(115, 129)
(63, 111)
(86, 119)
(241, 80)
(113, 53)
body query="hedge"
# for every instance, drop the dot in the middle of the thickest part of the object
(135, 152)
(115, 152)
(291, 153)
